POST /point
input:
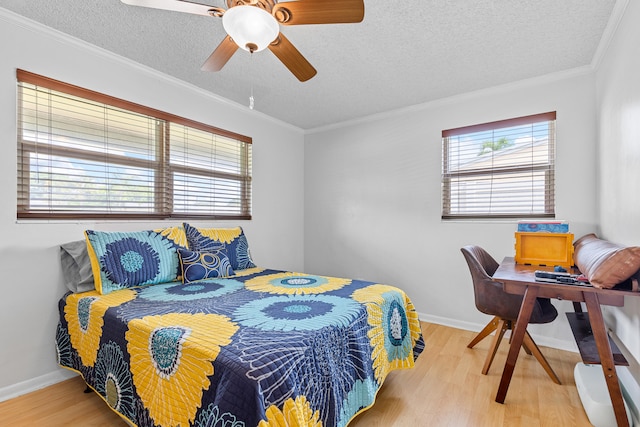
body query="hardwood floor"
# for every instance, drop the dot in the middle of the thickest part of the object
(445, 388)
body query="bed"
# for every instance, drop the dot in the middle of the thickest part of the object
(259, 347)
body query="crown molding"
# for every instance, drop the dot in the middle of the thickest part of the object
(609, 32)
(520, 84)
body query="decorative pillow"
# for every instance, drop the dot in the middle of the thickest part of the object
(76, 266)
(604, 263)
(233, 240)
(204, 265)
(126, 259)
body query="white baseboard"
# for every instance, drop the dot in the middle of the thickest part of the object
(477, 327)
(34, 384)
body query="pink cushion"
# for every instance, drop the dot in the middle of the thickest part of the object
(604, 263)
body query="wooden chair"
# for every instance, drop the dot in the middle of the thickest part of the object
(491, 299)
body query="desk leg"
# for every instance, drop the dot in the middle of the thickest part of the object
(606, 357)
(577, 307)
(530, 295)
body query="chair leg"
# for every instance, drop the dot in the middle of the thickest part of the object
(502, 327)
(528, 342)
(491, 326)
(526, 349)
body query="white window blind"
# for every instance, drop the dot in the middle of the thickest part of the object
(502, 169)
(82, 154)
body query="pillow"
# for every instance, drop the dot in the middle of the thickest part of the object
(232, 239)
(127, 259)
(204, 265)
(76, 266)
(604, 263)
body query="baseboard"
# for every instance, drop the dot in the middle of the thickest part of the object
(34, 384)
(477, 327)
(453, 323)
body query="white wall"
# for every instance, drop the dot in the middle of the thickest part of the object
(31, 281)
(618, 91)
(373, 200)
(367, 200)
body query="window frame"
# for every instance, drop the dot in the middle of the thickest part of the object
(547, 168)
(164, 170)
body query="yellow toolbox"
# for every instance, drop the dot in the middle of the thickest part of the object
(549, 249)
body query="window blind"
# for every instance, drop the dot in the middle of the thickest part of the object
(502, 169)
(83, 154)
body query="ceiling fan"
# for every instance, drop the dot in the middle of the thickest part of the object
(254, 25)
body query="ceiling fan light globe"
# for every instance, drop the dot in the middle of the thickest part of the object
(250, 27)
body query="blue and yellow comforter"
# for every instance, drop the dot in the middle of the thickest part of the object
(261, 348)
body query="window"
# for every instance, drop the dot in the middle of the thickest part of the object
(83, 155)
(502, 169)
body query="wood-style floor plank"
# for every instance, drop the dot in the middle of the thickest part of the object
(446, 388)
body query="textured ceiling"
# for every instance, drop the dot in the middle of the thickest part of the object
(403, 53)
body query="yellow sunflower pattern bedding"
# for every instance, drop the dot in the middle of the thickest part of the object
(260, 348)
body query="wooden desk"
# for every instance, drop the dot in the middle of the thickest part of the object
(520, 279)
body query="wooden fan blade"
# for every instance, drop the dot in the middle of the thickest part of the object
(175, 5)
(292, 58)
(319, 12)
(220, 56)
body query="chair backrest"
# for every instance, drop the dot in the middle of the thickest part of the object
(478, 258)
(490, 296)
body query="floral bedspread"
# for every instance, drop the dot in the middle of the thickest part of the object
(261, 348)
